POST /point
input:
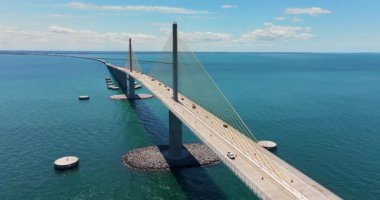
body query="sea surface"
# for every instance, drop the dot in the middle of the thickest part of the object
(323, 110)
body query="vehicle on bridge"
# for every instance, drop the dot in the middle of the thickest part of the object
(232, 156)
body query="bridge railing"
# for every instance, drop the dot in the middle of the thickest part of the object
(260, 193)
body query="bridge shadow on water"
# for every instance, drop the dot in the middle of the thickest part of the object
(195, 182)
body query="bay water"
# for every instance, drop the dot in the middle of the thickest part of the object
(323, 110)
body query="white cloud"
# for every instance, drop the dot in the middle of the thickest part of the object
(226, 6)
(314, 11)
(14, 38)
(296, 19)
(59, 16)
(205, 36)
(201, 17)
(59, 29)
(135, 8)
(273, 32)
(57, 37)
(280, 18)
(160, 24)
(89, 36)
(198, 36)
(268, 33)
(64, 38)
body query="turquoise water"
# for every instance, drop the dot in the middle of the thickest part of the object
(322, 109)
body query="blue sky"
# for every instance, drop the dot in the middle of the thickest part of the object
(250, 25)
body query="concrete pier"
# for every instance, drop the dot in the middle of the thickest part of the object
(175, 125)
(131, 86)
(84, 97)
(131, 83)
(175, 136)
(125, 97)
(67, 162)
(269, 145)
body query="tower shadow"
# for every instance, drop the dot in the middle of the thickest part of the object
(195, 182)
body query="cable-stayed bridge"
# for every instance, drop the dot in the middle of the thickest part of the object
(182, 84)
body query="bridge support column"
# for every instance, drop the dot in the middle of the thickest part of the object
(175, 125)
(126, 80)
(131, 85)
(175, 136)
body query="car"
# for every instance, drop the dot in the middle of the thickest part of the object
(232, 156)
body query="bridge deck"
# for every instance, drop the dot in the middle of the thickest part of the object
(279, 181)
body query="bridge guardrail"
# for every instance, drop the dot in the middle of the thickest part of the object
(261, 194)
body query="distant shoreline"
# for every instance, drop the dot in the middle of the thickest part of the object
(157, 52)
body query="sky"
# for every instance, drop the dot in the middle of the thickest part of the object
(232, 26)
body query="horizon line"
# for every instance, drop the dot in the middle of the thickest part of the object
(157, 51)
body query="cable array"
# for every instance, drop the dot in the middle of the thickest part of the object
(197, 88)
(135, 62)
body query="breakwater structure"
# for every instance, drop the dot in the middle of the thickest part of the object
(183, 85)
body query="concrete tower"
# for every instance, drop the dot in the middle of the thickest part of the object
(175, 125)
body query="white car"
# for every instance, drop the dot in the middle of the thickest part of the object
(232, 156)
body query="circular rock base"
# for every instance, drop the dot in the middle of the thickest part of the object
(156, 158)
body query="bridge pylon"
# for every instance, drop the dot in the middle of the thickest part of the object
(175, 124)
(131, 80)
